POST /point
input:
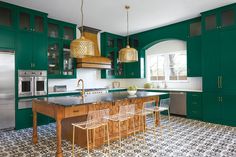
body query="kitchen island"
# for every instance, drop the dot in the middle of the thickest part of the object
(68, 109)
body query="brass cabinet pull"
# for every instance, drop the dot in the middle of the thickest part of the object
(219, 99)
(218, 82)
(221, 80)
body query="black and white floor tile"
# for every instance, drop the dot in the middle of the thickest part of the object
(184, 137)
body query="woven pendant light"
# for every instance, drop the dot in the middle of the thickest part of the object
(128, 54)
(82, 47)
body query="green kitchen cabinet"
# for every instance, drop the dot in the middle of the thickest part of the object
(60, 35)
(228, 109)
(8, 16)
(211, 65)
(194, 105)
(110, 46)
(132, 70)
(7, 39)
(31, 51)
(7, 26)
(219, 108)
(31, 21)
(227, 57)
(219, 18)
(24, 119)
(212, 108)
(194, 55)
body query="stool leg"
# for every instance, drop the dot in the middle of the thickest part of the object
(108, 138)
(119, 134)
(134, 130)
(73, 141)
(160, 123)
(93, 138)
(87, 141)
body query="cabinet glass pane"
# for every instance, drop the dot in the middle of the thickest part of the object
(136, 43)
(53, 30)
(111, 56)
(110, 43)
(228, 18)
(53, 59)
(68, 33)
(68, 68)
(24, 21)
(5, 17)
(120, 44)
(38, 24)
(210, 22)
(195, 29)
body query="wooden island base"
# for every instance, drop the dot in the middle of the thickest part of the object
(80, 135)
(67, 110)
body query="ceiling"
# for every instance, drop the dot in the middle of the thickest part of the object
(110, 15)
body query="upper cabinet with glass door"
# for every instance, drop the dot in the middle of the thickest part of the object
(32, 21)
(7, 16)
(221, 18)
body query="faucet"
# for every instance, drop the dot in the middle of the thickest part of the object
(82, 92)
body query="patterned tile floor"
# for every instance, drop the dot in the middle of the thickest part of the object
(187, 138)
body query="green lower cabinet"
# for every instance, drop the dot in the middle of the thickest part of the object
(212, 108)
(228, 104)
(24, 119)
(194, 105)
(7, 39)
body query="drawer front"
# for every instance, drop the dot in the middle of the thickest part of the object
(76, 111)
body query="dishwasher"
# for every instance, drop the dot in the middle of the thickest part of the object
(178, 103)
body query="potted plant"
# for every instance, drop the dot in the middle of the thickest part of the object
(132, 90)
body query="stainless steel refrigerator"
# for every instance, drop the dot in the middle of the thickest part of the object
(7, 89)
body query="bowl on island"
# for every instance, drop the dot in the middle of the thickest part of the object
(132, 92)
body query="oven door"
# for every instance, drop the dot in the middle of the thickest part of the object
(25, 86)
(40, 86)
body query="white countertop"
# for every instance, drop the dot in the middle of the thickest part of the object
(171, 89)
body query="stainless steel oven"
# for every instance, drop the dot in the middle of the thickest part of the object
(32, 83)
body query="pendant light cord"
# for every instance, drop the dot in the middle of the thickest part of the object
(82, 21)
(127, 8)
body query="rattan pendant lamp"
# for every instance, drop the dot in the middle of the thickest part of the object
(81, 47)
(128, 54)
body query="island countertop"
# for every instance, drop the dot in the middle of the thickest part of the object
(96, 98)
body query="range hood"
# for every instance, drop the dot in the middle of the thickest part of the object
(97, 61)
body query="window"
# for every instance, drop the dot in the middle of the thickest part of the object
(168, 66)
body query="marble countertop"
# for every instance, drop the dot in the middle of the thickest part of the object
(171, 89)
(95, 98)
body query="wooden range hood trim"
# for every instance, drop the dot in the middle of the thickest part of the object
(95, 62)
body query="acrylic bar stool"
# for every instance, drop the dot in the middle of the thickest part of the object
(125, 113)
(95, 119)
(164, 106)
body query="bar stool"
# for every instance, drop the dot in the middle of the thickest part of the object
(95, 119)
(125, 113)
(164, 106)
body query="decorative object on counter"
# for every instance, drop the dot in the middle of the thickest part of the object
(132, 90)
(128, 54)
(115, 84)
(148, 85)
(60, 88)
(82, 47)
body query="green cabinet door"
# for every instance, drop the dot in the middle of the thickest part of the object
(39, 52)
(24, 118)
(194, 59)
(228, 109)
(24, 46)
(194, 105)
(228, 60)
(211, 61)
(7, 39)
(212, 108)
